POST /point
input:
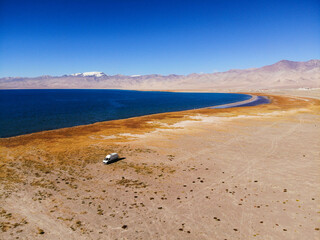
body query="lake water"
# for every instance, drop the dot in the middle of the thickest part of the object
(27, 111)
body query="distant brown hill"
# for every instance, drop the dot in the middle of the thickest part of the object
(283, 74)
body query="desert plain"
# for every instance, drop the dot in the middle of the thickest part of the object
(235, 173)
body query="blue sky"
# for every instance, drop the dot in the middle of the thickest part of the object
(149, 36)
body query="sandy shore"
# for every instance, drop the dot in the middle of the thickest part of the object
(237, 104)
(236, 173)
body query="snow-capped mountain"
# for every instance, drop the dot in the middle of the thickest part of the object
(89, 74)
(281, 75)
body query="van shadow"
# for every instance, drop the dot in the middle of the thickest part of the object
(117, 160)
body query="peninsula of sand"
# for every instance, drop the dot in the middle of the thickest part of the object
(248, 172)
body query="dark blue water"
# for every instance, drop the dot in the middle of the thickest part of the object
(27, 111)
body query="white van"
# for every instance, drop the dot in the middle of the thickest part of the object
(110, 157)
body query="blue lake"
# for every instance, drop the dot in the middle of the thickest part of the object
(27, 111)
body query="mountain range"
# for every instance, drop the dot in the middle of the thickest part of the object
(283, 74)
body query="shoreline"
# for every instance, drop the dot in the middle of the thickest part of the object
(238, 104)
(175, 117)
(252, 100)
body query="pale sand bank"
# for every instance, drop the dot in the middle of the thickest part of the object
(237, 104)
(239, 173)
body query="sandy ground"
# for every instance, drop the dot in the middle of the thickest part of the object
(237, 173)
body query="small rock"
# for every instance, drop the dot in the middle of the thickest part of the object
(124, 226)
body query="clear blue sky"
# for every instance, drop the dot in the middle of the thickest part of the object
(55, 37)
